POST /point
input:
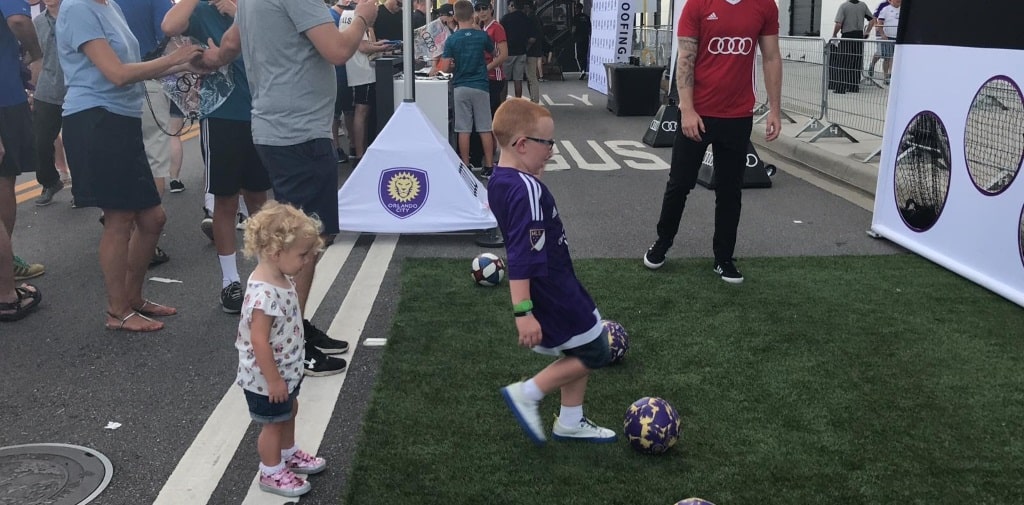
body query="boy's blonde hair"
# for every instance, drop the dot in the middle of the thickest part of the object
(277, 227)
(463, 10)
(515, 118)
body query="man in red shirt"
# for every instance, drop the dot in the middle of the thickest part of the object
(714, 77)
(495, 71)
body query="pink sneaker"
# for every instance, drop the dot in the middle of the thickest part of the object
(304, 462)
(284, 483)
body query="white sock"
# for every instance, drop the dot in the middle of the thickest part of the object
(228, 270)
(287, 454)
(570, 416)
(531, 391)
(241, 206)
(271, 470)
(208, 201)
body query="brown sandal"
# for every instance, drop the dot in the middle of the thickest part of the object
(153, 309)
(123, 320)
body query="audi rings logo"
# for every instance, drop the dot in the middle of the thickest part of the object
(670, 126)
(730, 45)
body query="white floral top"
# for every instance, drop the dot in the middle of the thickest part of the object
(286, 337)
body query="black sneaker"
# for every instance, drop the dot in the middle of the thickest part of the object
(231, 298)
(46, 197)
(727, 269)
(159, 258)
(318, 364)
(342, 157)
(654, 258)
(315, 336)
(206, 225)
(177, 186)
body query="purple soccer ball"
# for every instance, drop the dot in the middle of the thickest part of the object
(618, 340)
(651, 425)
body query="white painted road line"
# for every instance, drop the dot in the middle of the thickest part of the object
(375, 342)
(319, 395)
(202, 466)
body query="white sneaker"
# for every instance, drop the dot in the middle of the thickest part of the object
(585, 430)
(525, 412)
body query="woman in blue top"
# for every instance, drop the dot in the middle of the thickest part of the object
(103, 141)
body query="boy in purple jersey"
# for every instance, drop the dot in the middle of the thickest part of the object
(554, 313)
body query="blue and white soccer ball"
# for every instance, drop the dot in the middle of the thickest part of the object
(651, 425)
(488, 270)
(618, 340)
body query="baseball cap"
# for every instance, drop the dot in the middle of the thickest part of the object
(446, 10)
(485, 4)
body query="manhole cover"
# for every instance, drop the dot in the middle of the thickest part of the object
(52, 474)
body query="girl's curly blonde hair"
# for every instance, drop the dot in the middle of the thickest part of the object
(276, 227)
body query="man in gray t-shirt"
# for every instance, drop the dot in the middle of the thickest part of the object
(290, 49)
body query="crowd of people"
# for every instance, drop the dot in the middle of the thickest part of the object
(847, 59)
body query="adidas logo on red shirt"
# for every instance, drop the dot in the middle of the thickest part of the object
(713, 17)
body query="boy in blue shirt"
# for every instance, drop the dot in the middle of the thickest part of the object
(472, 98)
(554, 313)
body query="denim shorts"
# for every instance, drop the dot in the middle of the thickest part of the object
(594, 354)
(306, 176)
(264, 412)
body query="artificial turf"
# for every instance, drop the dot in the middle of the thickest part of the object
(820, 380)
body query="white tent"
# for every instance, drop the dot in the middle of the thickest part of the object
(411, 181)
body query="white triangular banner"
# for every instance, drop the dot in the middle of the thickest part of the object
(411, 181)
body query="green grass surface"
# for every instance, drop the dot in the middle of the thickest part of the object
(875, 380)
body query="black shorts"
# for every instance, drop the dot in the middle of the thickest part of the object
(594, 354)
(306, 176)
(16, 133)
(108, 161)
(232, 163)
(343, 102)
(364, 94)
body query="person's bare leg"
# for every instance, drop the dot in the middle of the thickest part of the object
(225, 208)
(8, 204)
(115, 262)
(573, 392)
(174, 125)
(254, 200)
(160, 183)
(487, 142)
(562, 372)
(359, 129)
(304, 281)
(7, 293)
(464, 148)
(518, 85)
(149, 223)
(60, 160)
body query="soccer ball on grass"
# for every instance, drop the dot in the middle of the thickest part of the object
(488, 270)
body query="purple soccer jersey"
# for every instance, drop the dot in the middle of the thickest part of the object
(537, 249)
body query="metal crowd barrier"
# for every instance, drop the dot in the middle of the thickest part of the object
(653, 45)
(840, 84)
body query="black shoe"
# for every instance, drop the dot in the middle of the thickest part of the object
(177, 186)
(46, 197)
(159, 258)
(315, 336)
(727, 269)
(487, 171)
(231, 298)
(318, 364)
(654, 258)
(206, 225)
(342, 157)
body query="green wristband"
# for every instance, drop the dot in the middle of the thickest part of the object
(523, 306)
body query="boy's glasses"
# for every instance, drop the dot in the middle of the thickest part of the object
(549, 142)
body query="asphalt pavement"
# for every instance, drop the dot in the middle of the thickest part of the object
(65, 377)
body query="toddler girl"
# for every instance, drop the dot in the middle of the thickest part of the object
(270, 342)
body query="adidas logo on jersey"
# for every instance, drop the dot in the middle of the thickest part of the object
(713, 17)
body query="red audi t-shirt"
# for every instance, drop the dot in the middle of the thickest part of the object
(726, 33)
(497, 34)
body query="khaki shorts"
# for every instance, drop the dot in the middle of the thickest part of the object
(156, 114)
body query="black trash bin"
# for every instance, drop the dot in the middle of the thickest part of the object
(633, 90)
